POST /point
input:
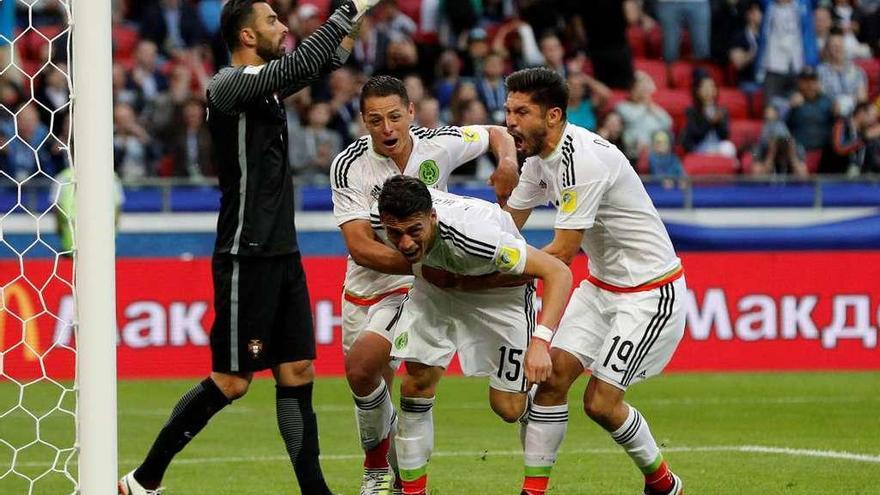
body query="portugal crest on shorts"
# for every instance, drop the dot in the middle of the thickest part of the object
(401, 341)
(429, 172)
(255, 347)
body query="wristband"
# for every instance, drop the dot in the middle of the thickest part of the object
(417, 270)
(543, 333)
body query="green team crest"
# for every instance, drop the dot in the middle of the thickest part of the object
(429, 172)
(401, 341)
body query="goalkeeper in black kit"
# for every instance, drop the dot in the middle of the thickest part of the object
(262, 313)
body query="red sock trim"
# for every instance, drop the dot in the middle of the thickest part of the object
(661, 479)
(378, 457)
(535, 485)
(416, 487)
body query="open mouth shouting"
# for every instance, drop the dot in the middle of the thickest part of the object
(391, 143)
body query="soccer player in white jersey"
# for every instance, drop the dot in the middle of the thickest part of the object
(624, 321)
(490, 329)
(378, 276)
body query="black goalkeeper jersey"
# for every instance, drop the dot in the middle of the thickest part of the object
(249, 130)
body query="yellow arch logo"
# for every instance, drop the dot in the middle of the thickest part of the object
(18, 295)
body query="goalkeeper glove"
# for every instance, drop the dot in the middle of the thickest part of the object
(354, 9)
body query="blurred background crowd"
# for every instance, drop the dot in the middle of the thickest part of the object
(683, 87)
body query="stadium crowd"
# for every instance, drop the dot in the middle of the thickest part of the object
(684, 87)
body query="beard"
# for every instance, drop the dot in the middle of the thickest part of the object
(534, 142)
(269, 51)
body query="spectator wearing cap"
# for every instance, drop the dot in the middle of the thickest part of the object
(673, 15)
(476, 53)
(787, 44)
(811, 114)
(841, 80)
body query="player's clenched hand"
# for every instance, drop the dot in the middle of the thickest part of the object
(538, 364)
(438, 277)
(504, 179)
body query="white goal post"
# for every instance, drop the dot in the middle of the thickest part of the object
(95, 284)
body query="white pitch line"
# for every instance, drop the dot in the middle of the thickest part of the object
(745, 449)
(681, 401)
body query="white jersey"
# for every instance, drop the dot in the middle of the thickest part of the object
(594, 188)
(473, 237)
(358, 173)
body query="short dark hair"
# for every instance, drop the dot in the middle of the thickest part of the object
(862, 107)
(403, 196)
(384, 86)
(234, 16)
(545, 87)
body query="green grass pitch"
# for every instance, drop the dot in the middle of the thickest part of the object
(792, 433)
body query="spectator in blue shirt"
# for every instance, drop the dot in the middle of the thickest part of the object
(29, 151)
(811, 115)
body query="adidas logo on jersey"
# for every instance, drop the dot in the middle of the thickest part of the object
(375, 192)
(542, 184)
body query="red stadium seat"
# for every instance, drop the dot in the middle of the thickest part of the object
(745, 133)
(676, 102)
(654, 68)
(125, 39)
(637, 40)
(735, 101)
(683, 74)
(812, 160)
(706, 164)
(617, 96)
(871, 66)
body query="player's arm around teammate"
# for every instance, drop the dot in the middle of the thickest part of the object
(506, 175)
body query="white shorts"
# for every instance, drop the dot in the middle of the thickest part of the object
(374, 318)
(489, 329)
(623, 338)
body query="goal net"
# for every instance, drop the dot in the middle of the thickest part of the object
(40, 425)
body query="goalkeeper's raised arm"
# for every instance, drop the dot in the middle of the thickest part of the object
(255, 36)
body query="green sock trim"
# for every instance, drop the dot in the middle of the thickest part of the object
(413, 474)
(538, 471)
(654, 466)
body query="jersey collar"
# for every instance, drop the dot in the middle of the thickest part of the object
(558, 150)
(377, 156)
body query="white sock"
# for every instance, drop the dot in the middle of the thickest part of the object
(374, 414)
(392, 450)
(636, 439)
(415, 436)
(544, 434)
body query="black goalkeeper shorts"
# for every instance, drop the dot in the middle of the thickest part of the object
(263, 316)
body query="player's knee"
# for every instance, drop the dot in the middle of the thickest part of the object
(416, 386)
(361, 373)
(509, 412)
(233, 386)
(599, 409)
